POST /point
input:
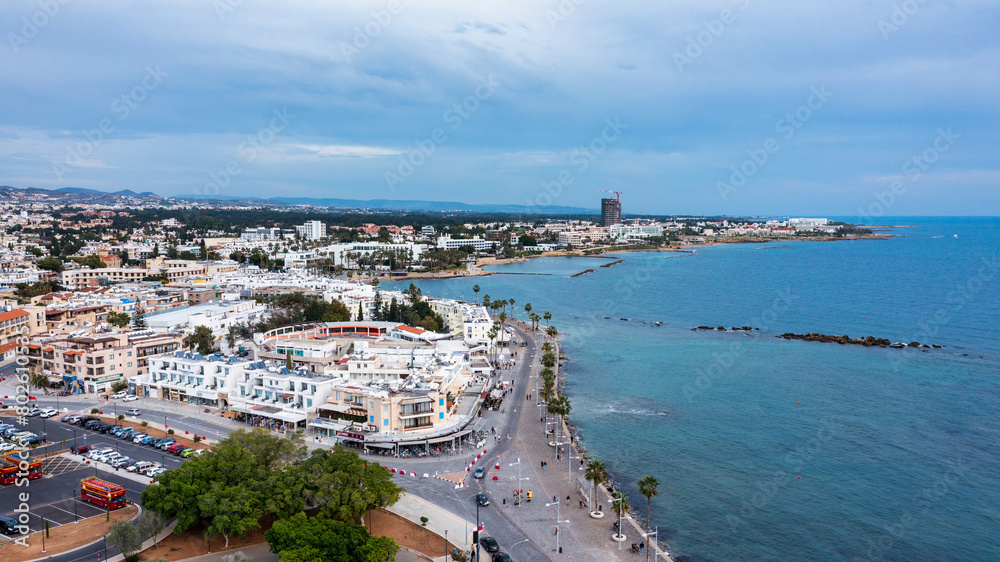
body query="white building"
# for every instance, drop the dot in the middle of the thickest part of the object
(218, 316)
(250, 388)
(479, 244)
(312, 230)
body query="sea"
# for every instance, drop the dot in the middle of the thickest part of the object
(774, 449)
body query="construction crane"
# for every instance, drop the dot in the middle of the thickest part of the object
(617, 194)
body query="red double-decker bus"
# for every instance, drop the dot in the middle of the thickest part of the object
(8, 472)
(13, 466)
(104, 494)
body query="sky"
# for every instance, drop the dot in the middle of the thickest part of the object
(872, 108)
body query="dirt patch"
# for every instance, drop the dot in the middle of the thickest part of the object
(382, 523)
(192, 543)
(64, 537)
(408, 534)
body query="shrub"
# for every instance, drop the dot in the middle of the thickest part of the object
(197, 439)
(144, 423)
(423, 521)
(95, 411)
(121, 417)
(170, 432)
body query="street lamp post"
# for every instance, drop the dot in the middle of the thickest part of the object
(569, 462)
(511, 549)
(518, 463)
(620, 537)
(558, 521)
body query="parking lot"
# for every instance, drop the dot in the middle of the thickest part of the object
(55, 498)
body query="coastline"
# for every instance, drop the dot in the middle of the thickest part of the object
(476, 270)
(660, 548)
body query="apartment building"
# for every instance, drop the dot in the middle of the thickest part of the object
(94, 362)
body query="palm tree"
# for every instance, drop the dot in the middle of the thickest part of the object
(486, 301)
(511, 301)
(559, 406)
(552, 332)
(647, 487)
(547, 316)
(475, 289)
(527, 312)
(596, 473)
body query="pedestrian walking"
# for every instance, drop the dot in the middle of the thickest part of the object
(567, 500)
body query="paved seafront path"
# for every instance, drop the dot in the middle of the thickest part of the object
(528, 531)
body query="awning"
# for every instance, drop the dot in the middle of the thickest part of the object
(335, 407)
(290, 417)
(240, 410)
(441, 439)
(286, 396)
(420, 400)
(381, 445)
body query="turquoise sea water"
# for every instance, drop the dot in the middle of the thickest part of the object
(774, 449)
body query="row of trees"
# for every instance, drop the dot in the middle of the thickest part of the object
(417, 313)
(251, 474)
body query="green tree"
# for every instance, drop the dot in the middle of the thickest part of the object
(288, 360)
(139, 319)
(150, 524)
(119, 386)
(547, 316)
(118, 319)
(50, 264)
(344, 487)
(302, 538)
(621, 505)
(475, 289)
(597, 473)
(203, 339)
(648, 487)
(125, 536)
(236, 509)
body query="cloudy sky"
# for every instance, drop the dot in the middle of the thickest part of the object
(688, 107)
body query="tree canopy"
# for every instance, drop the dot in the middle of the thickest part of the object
(307, 539)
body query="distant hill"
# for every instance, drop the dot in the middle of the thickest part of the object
(401, 205)
(83, 195)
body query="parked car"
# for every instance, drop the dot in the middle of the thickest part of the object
(482, 500)
(4, 447)
(148, 440)
(501, 557)
(152, 473)
(95, 453)
(187, 452)
(133, 412)
(175, 448)
(70, 418)
(490, 544)
(119, 395)
(164, 444)
(8, 525)
(120, 462)
(140, 466)
(48, 413)
(80, 450)
(139, 437)
(34, 412)
(130, 397)
(31, 440)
